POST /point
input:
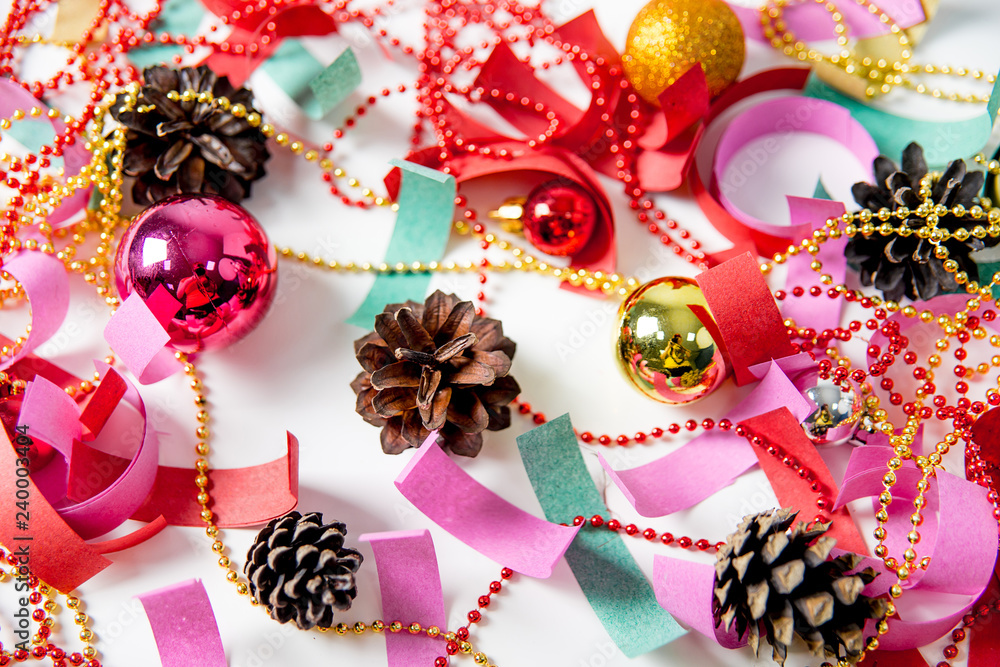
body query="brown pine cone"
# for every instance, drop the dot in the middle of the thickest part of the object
(300, 570)
(905, 264)
(189, 146)
(775, 581)
(435, 366)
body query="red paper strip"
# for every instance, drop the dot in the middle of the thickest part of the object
(503, 71)
(135, 537)
(297, 20)
(984, 646)
(749, 321)
(784, 431)
(184, 626)
(684, 103)
(240, 496)
(884, 658)
(102, 403)
(50, 548)
(410, 583)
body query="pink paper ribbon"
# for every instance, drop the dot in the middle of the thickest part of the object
(780, 117)
(184, 625)
(410, 583)
(709, 462)
(75, 156)
(962, 557)
(452, 499)
(46, 287)
(686, 589)
(819, 312)
(137, 336)
(49, 412)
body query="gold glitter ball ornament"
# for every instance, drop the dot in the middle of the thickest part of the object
(669, 36)
(664, 348)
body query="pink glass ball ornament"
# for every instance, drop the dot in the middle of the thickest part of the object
(559, 218)
(209, 255)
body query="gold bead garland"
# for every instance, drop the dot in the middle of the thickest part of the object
(106, 222)
(879, 74)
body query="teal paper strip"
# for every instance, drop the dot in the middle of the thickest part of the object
(943, 141)
(820, 191)
(32, 133)
(292, 67)
(614, 585)
(426, 202)
(178, 17)
(317, 90)
(331, 86)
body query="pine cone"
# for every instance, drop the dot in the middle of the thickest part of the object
(775, 581)
(435, 366)
(190, 147)
(300, 571)
(905, 265)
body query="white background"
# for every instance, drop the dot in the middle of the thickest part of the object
(293, 373)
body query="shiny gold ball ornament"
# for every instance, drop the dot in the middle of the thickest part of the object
(664, 348)
(669, 36)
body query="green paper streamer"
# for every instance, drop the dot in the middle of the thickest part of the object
(178, 17)
(32, 133)
(426, 202)
(317, 90)
(614, 585)
(292, 68)
(943, 141)
(820, 191)
(332, 85)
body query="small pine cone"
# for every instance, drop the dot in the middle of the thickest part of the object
(435, 366)
(299, 570)
(190, 147)
(899, 265)
(775, 581)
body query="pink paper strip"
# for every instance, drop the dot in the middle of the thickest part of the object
(709, 462)
(685, 589)
(139, 340)
(111, 507)
(46, 286)
(50, 415)
(410, 583)
(772, 118)
(13, 97)
(452, 499)
(184, 625)
(810, 22)
(962, 557)
(819, 312)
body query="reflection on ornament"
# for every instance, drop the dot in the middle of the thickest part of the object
(664, 348)
(559, 217)
(214, 264)
(668, 37)
(837, 415)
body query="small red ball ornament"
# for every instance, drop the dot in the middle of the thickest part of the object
(559, 217)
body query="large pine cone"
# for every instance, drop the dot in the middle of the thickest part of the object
(435, 366)
(900, 265)
(190, 147)
(299, 570)
(775, 581)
